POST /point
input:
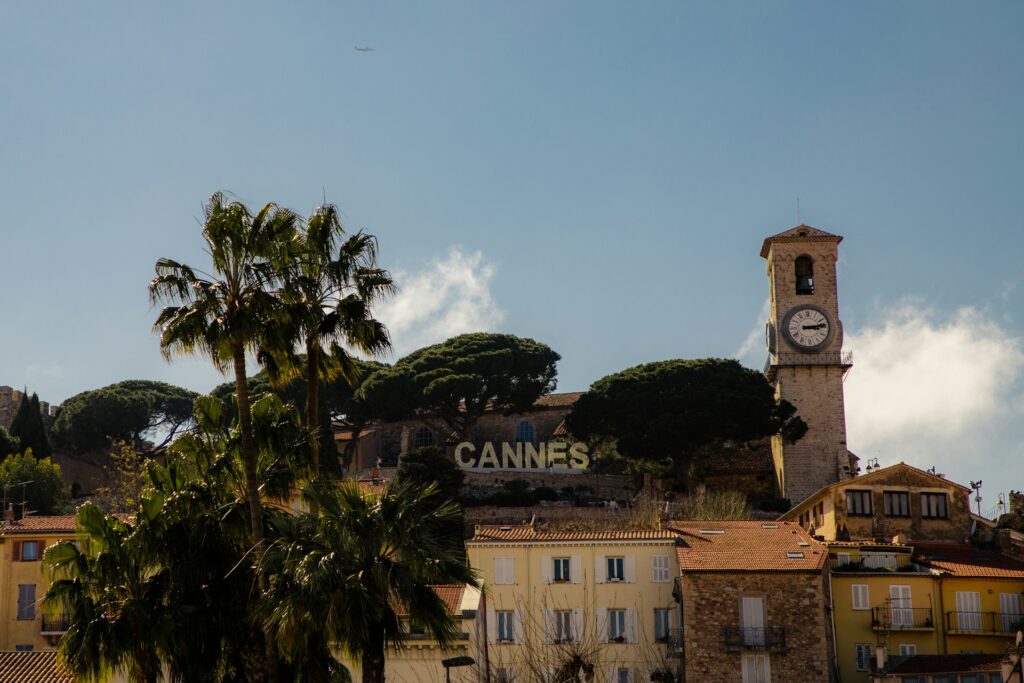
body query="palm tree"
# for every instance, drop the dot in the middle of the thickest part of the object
(330, 286)
(345, 573)
(224, 313)
(113, 600)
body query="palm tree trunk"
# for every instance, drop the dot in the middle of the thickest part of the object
(313, 403)
(252, 490)
(373, 656)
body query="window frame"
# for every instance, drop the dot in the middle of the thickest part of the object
(860, 496)
(27, 609)
(428, 442)
(896, 499)
(662, 619)
(505, 624)
(25, 544)
(657, 571)
(611, 563)
(866, 604)
(525, 428)
(617, 627)
(563, 566)
(863, 654)
(563, 626)
(926, 497)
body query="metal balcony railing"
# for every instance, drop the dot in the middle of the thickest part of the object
(55, 624)
(754, 638)
(889, 618)
(674, 640)
(984, 622)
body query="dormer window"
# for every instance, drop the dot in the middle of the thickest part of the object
(804, 275)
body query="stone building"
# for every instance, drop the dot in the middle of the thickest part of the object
(806, 362)
(753, 602)
(10, 399)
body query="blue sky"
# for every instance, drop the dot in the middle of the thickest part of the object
(596, 175)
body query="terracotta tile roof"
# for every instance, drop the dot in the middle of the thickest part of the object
(38, 525)
(747, 546)
(343, 433)
(39, 666)
(947, 664)
(561, 430)
(961, 559)
(528, 533)
(451, 594)
(564, 400)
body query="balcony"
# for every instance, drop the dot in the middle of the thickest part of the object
(890, 618)
(843, 359)
(984, 622)
(876, 565)
(55, 625)
(754, 638)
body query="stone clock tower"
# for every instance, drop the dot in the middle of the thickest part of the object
(806, 364)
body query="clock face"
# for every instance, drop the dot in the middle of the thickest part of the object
(807, 328)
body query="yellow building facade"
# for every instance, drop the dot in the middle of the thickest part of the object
(601, 602)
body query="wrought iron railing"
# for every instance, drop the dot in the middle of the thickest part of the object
(55, 624)
(674, 640)
(754, 638)
(984, 622)
(889, 618)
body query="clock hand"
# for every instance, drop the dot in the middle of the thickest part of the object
(814, 327)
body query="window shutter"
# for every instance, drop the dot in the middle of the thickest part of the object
(492, 625)
(548, 620)
(504, 570)
(629, 569)
(576, 569)
(577, 625)
(631, 625)
(545, 569)
(602, 625)
(749, 669)
(519, 634)
(16, 551)
(600, 569)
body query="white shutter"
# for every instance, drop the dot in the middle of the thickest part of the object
(600, 569)
(629, 569)
(504, 570)
(492, 625)
(749, 669)
(842, 559)
(602, 625)
(548, 620)
(860, 596)
(577, 625)
(631, 626)
(968, 604)
(519, 635)
(899, 599)
(576, 569)
(1011, 607)
(545, 569)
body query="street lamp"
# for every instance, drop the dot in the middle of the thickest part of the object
(455, 662)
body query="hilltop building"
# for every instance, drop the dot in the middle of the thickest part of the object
(10, 399)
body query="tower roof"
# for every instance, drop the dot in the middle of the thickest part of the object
(801, 233)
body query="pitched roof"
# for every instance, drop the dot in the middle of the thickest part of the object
(529, 533)
(747, 546)
(867, 479)
(947, 664)
(450, 594)
(962, 559)
(39, 525)
(563, 400)
(801, 233)
(38, 666)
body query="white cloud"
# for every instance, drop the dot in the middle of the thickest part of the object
(449, 297)
(934, 390)
(752, 350)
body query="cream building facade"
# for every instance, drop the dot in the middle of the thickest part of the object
(600, 601)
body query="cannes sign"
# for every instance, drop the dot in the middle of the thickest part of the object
(556, 455)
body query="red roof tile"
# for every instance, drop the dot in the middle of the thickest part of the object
(747, 546)
(451, 594)
(41, 524)
(961, 559)
(530, 534)
(38, 666)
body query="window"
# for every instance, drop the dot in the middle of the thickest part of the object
(23, 648)
(525, 433)
(819, 514)
(506, 626)
(933, 505)
(563, 626)
(616, 625)
(756, 669)
(1011, 612)
(858, 503)
(901, 611)
(504, 570)
(616, 568)
(865, 653)
(29, 551)
(968, 611)
(561, 569)
(423, 437)
(804, 268)
(27, 601)
(623, 675)
(896, 503)
(842, 559)
(662, 623)
(908, 649)
(878, 560)
(860, 596)
(503, 675)
(660, 569)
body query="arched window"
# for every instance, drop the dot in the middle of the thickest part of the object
(525, 433)
(804, 275)
(423, 437)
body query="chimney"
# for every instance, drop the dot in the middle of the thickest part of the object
(9, 513)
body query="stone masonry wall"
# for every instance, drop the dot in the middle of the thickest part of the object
(793, 601)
